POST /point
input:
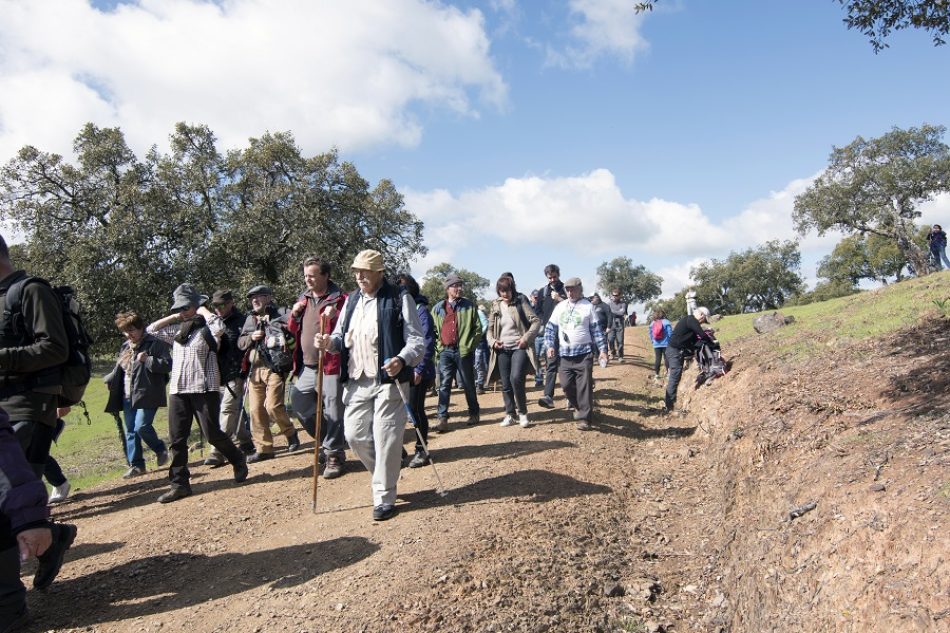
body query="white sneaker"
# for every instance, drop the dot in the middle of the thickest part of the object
(59, 493)
(523, 421)
(508, 421)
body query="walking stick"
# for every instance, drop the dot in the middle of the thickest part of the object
(316, 436)
(415, 425)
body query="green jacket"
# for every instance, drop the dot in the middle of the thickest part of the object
(469, 326)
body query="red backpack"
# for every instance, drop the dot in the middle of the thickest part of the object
(657, 331)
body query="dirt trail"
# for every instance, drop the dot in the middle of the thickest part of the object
(632, 527)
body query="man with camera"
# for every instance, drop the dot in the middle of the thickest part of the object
(270, 343)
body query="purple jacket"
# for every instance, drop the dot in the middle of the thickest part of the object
(22, 495)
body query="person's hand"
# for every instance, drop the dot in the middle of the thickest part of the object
(142, 357)
(498, 344)
(555, 296)
(329, 312)
(603, 358)
(62, 412)
(321, 341)
(393, 366)
(522, 344)
(299, 307)
(33, 542)
(416, 378)
(257, 335)
(551, 353)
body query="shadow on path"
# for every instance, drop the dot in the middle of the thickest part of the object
(501, 450)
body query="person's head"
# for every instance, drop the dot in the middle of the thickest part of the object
(534, 297)
(574, 288)
(658, 313)
(185, 301)
(936, 227)
(131, 325)
(368, 270)
(316, 274)
(223, 302)
(702, 314)
(409, 282)
(595, 298)
(505, 287)
(552, 272)
(260, 297)
(453, 287)
(615, 294)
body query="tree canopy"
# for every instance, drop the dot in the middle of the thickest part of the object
(635, 283)
(875, 186)
(433, 282)
(125, 231)
(858, 257)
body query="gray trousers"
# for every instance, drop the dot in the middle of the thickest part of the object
(229, 420)
(576, 376)
(303, 399)
(374, 422)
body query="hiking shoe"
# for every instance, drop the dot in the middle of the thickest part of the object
(523, 420)
(214, 461)
(18, 623)
(293, 443)
(174, 494)
(334, 467)
(161, 459)
(472, 420)
(577, 415)
(508, 421)
(240, 472)
(59, 493)
(51, 561)
(419, 460)
(442, 426)
(133, 471)
(248, 449)
(584, 425)
(480, 390)
(546, 402)
(384, 512)
(259, 457)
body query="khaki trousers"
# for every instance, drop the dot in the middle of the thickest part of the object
(265, 403)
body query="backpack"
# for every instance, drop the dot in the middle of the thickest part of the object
(276, 348)
(657, 331)
(76, 371)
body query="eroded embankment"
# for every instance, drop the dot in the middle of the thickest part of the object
(861, 433)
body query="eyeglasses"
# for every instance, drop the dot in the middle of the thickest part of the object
(458, 285)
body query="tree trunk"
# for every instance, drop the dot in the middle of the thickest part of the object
(905, 242)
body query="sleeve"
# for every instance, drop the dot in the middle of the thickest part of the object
(22, 495)
(167, 334)
(216, 326)
(534, 323)
(160, 360)
(244, 342)
(425, 320)
(597, 334)
(43, 313)
(336, 338)
(414, 349)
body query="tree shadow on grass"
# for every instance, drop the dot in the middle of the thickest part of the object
(161, 583)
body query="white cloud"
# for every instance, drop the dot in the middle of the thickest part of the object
(343, 74)
(602, 28)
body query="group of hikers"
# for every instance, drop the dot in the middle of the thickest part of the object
(371, 356)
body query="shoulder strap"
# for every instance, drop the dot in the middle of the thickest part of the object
(524, 318)
(13, 304)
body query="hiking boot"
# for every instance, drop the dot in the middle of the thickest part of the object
(442, 426)
(51, 561)
(480, 390)
(577, 415)
(334, 467)
(18, 623)
(546, 402)
(293, 443)
(322, 456)
(508, 421)
(584, 425)
(419, 460)
(384, 512)
(133, 471)
(248, 449)
(240, 471)
(214, 461)
(60, 492)
(161, 459)
(403, 459)
(523, 420)
(176, 493)
(259, 457)
(472, 420)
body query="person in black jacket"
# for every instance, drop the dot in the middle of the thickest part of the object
(138, 382)
(687, 333)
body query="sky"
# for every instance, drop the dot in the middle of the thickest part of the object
(521, 133)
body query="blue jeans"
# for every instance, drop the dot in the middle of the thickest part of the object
(674, 363)
(511, 368)
(539, 355)
(938, 253)
(481, 363)
(138, 429)
(449, 363)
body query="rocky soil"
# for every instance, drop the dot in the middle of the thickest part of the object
(648, 523)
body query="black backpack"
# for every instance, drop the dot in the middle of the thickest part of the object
(76, 371)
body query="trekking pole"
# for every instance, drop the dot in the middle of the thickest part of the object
(316, 433)
(415, 425)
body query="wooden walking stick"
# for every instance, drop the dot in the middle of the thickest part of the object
(316, 436)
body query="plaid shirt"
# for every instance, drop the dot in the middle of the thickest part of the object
(194, 364)
(583, 318)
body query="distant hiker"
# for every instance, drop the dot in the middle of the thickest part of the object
(633, 318)
(937, 239)
(25, 530)
(683, 340)
(230, 362)
(618, 321)
(458, 332)
(194, 386)
(572, 323)
(137, 389)
(601, 313)
(322, 299)
(424, 373)
(512, 328)
(379, 340)
(33, 348)
(269, 343)
(660, 331)
(550, 296)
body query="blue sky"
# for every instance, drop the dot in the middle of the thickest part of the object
(522, 133)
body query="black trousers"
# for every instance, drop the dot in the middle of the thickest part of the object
(577, 381)
(182, 408)
(659, 353)
(417, 402)
(35, 439)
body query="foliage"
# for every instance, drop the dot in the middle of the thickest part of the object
(824, 291)
(433, 282)
(124, 232)
(858, 257)
(756, 279)
(875, 186)
(636, 283)
(674, 308)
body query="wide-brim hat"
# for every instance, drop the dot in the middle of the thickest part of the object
(186, 296)
(369, 260)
